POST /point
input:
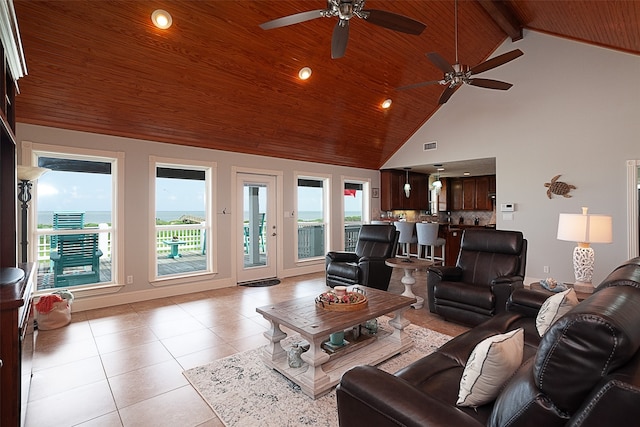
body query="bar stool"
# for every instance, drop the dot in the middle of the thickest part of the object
(428, 238)
(407, 237)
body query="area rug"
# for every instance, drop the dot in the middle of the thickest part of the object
(261, 283)
(243, 391)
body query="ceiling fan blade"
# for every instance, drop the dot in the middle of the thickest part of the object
(440, 62)
(296, 18)
(496, 62)
(446, 94)
(490, 84)
(339, 39)
(415, 85)
(394, 22)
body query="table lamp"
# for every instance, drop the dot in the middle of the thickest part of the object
(584, 229)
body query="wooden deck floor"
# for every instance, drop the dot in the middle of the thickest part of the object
(188, 262)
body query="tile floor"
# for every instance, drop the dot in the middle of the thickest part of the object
(122, 366)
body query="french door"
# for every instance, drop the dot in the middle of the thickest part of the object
(256, 227)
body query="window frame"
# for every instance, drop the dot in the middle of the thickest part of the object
(366, 202)
(31, 152)
(326, 213)
(209, 169)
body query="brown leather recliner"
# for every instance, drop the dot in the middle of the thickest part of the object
(490, 266)
(366, 266)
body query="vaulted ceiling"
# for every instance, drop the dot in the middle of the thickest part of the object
(215, 79)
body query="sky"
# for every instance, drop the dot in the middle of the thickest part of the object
(69, 191)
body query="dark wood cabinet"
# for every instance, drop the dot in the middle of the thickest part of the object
(455, 194)
(16, 341)
(392, 195)
(471, 194)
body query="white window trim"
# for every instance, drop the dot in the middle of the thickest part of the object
(366, 200)
(326, 212)
(210, 170)
(31, 151)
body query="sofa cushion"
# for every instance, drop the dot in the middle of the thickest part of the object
(490, 365)
(464, 294)
(595, 338)
(554, 308)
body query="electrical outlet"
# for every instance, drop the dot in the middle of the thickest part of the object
(129, 280)
(545, 268)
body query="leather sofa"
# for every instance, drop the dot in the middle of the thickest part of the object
(490, 266)
(584, 371)
(366, 266)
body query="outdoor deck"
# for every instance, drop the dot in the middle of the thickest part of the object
(188, 262)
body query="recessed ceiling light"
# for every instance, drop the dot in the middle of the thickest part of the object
(161, 19)
(466, 173)
(304, 73)
(386, 103)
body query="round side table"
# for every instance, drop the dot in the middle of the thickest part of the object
(409, 265)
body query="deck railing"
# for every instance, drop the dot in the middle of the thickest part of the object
(310, 240)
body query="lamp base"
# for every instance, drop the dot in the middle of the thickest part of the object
(583, 259)
(583, 287)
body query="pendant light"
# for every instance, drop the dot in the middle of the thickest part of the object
(407, 186)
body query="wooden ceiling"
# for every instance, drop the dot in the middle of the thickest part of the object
(216, 80)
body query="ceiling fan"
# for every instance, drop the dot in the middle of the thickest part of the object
(345, 10)
(457, 74)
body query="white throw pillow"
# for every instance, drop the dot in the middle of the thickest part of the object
(490, 365)
(554, 308)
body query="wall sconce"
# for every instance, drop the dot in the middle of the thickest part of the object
(26, 174)
(161, 19)
(407, 186)
(584, 229)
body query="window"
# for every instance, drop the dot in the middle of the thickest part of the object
(182, 219)
(356, 211)
(312, 217)
(75, 217)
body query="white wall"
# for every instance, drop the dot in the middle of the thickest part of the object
(574, 110)
(136, 199)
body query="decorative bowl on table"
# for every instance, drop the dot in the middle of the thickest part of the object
(350, 301)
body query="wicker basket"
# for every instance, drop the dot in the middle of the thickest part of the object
(359, 303)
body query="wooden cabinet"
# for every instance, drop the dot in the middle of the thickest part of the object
(392, 195)
(471, 194)
(16, 341)
(455, 194)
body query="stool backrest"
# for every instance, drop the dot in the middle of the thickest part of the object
(427, 233)
(407, 231)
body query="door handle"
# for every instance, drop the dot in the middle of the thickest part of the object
(273, 234)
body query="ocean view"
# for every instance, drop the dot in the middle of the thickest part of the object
(45, 218)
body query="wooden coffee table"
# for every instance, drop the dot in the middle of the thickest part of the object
(322, 369)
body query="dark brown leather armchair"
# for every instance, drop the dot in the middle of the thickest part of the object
(491, 265)
(366, 266)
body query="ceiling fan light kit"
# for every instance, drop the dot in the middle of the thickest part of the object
(457, 74)
(345, 10)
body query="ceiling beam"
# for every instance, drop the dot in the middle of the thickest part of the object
(504, 16)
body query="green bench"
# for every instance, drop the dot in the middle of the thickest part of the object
(77, 260)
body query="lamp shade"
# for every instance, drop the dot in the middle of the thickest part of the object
(30, 173)
(585, 228)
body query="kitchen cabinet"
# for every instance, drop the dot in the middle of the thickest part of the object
(471, 194)
(392, 195)
(455, 194)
